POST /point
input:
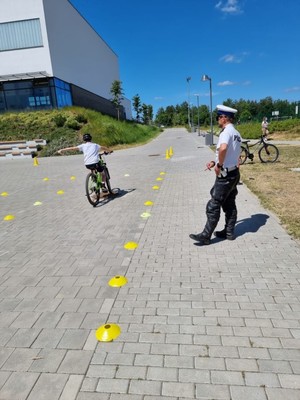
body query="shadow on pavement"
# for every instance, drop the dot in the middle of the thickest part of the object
(251, 224)
(116, 195)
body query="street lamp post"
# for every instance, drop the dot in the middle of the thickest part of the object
(198, 116)
(207, 78)
(188, 85)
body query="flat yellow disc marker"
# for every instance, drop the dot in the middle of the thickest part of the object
(9, 217)
(148, 203)
(155, 187)
(4, 194)
(73, 178)
(162, 173)
(130, 246)
(107, 332)
(159, 179)
(60, 192)
(145, 215)
(46, 179)
(37, 203)
(117, 281)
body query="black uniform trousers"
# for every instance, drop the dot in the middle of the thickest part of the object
(223, 195)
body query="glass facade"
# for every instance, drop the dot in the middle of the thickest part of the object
(20, 34)
(34, 94)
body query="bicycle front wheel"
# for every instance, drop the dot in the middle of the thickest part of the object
(107, 180)
(268, 153)
(243, 155)
(91, 189)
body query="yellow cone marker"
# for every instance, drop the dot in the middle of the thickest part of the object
(4, 194)
(73, 178)
(46, 179)
(60, 192)
(148, 203)
(117, 281)
(171, 151)
(107, 332)
(35, 162)
(155, 187)
(9, 217)
(130, 246)
(167, 154)
(145, 215)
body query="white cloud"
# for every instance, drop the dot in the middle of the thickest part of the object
(229, 7)
(157, 98)
(231, 58)
(293, 89)
(226, 83)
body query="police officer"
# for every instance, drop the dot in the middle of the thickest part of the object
(224, 191)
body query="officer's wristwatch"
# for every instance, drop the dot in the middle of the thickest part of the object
(219, 165)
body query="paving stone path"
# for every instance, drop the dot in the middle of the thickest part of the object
(214, 322)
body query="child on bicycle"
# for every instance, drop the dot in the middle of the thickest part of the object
(90, 152)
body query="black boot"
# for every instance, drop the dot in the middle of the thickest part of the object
(224, 234)
(228, 231)
(201, 238)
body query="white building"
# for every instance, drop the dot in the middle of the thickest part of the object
(51, 57)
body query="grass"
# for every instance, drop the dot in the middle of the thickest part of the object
(278, 186)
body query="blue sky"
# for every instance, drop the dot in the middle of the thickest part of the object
(249, 48)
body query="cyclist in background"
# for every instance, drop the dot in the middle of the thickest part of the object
(90, 152)
(264, 128)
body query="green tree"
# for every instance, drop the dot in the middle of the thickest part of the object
(117, 95)
(137, 106)
(150, 113)
(147, 111)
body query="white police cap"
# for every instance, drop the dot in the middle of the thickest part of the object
(224, 110)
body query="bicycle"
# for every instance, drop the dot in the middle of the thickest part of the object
(267, 152)
(93, 183)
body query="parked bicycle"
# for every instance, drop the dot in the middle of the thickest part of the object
(94, 186)
(267, 152)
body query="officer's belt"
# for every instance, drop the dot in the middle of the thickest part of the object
(231, 168)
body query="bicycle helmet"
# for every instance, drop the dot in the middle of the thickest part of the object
(86, 137)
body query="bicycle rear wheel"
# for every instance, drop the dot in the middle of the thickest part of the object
(268, 153)
(243, 155)
(107, 180)
(91, 189)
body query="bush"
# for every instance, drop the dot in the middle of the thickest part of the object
(72, 123)
(59, 120)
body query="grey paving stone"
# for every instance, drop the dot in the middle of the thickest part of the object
(3, 377)
(20, 360)
(24, 337)
(47, 360)
(72, 387)
(112, 385)
(48, 387)
(209, 391)
(282, 394)
(145, 387)
(75, 362)
(18, 386)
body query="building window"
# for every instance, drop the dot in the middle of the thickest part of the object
(63, 93)
(20, 35)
